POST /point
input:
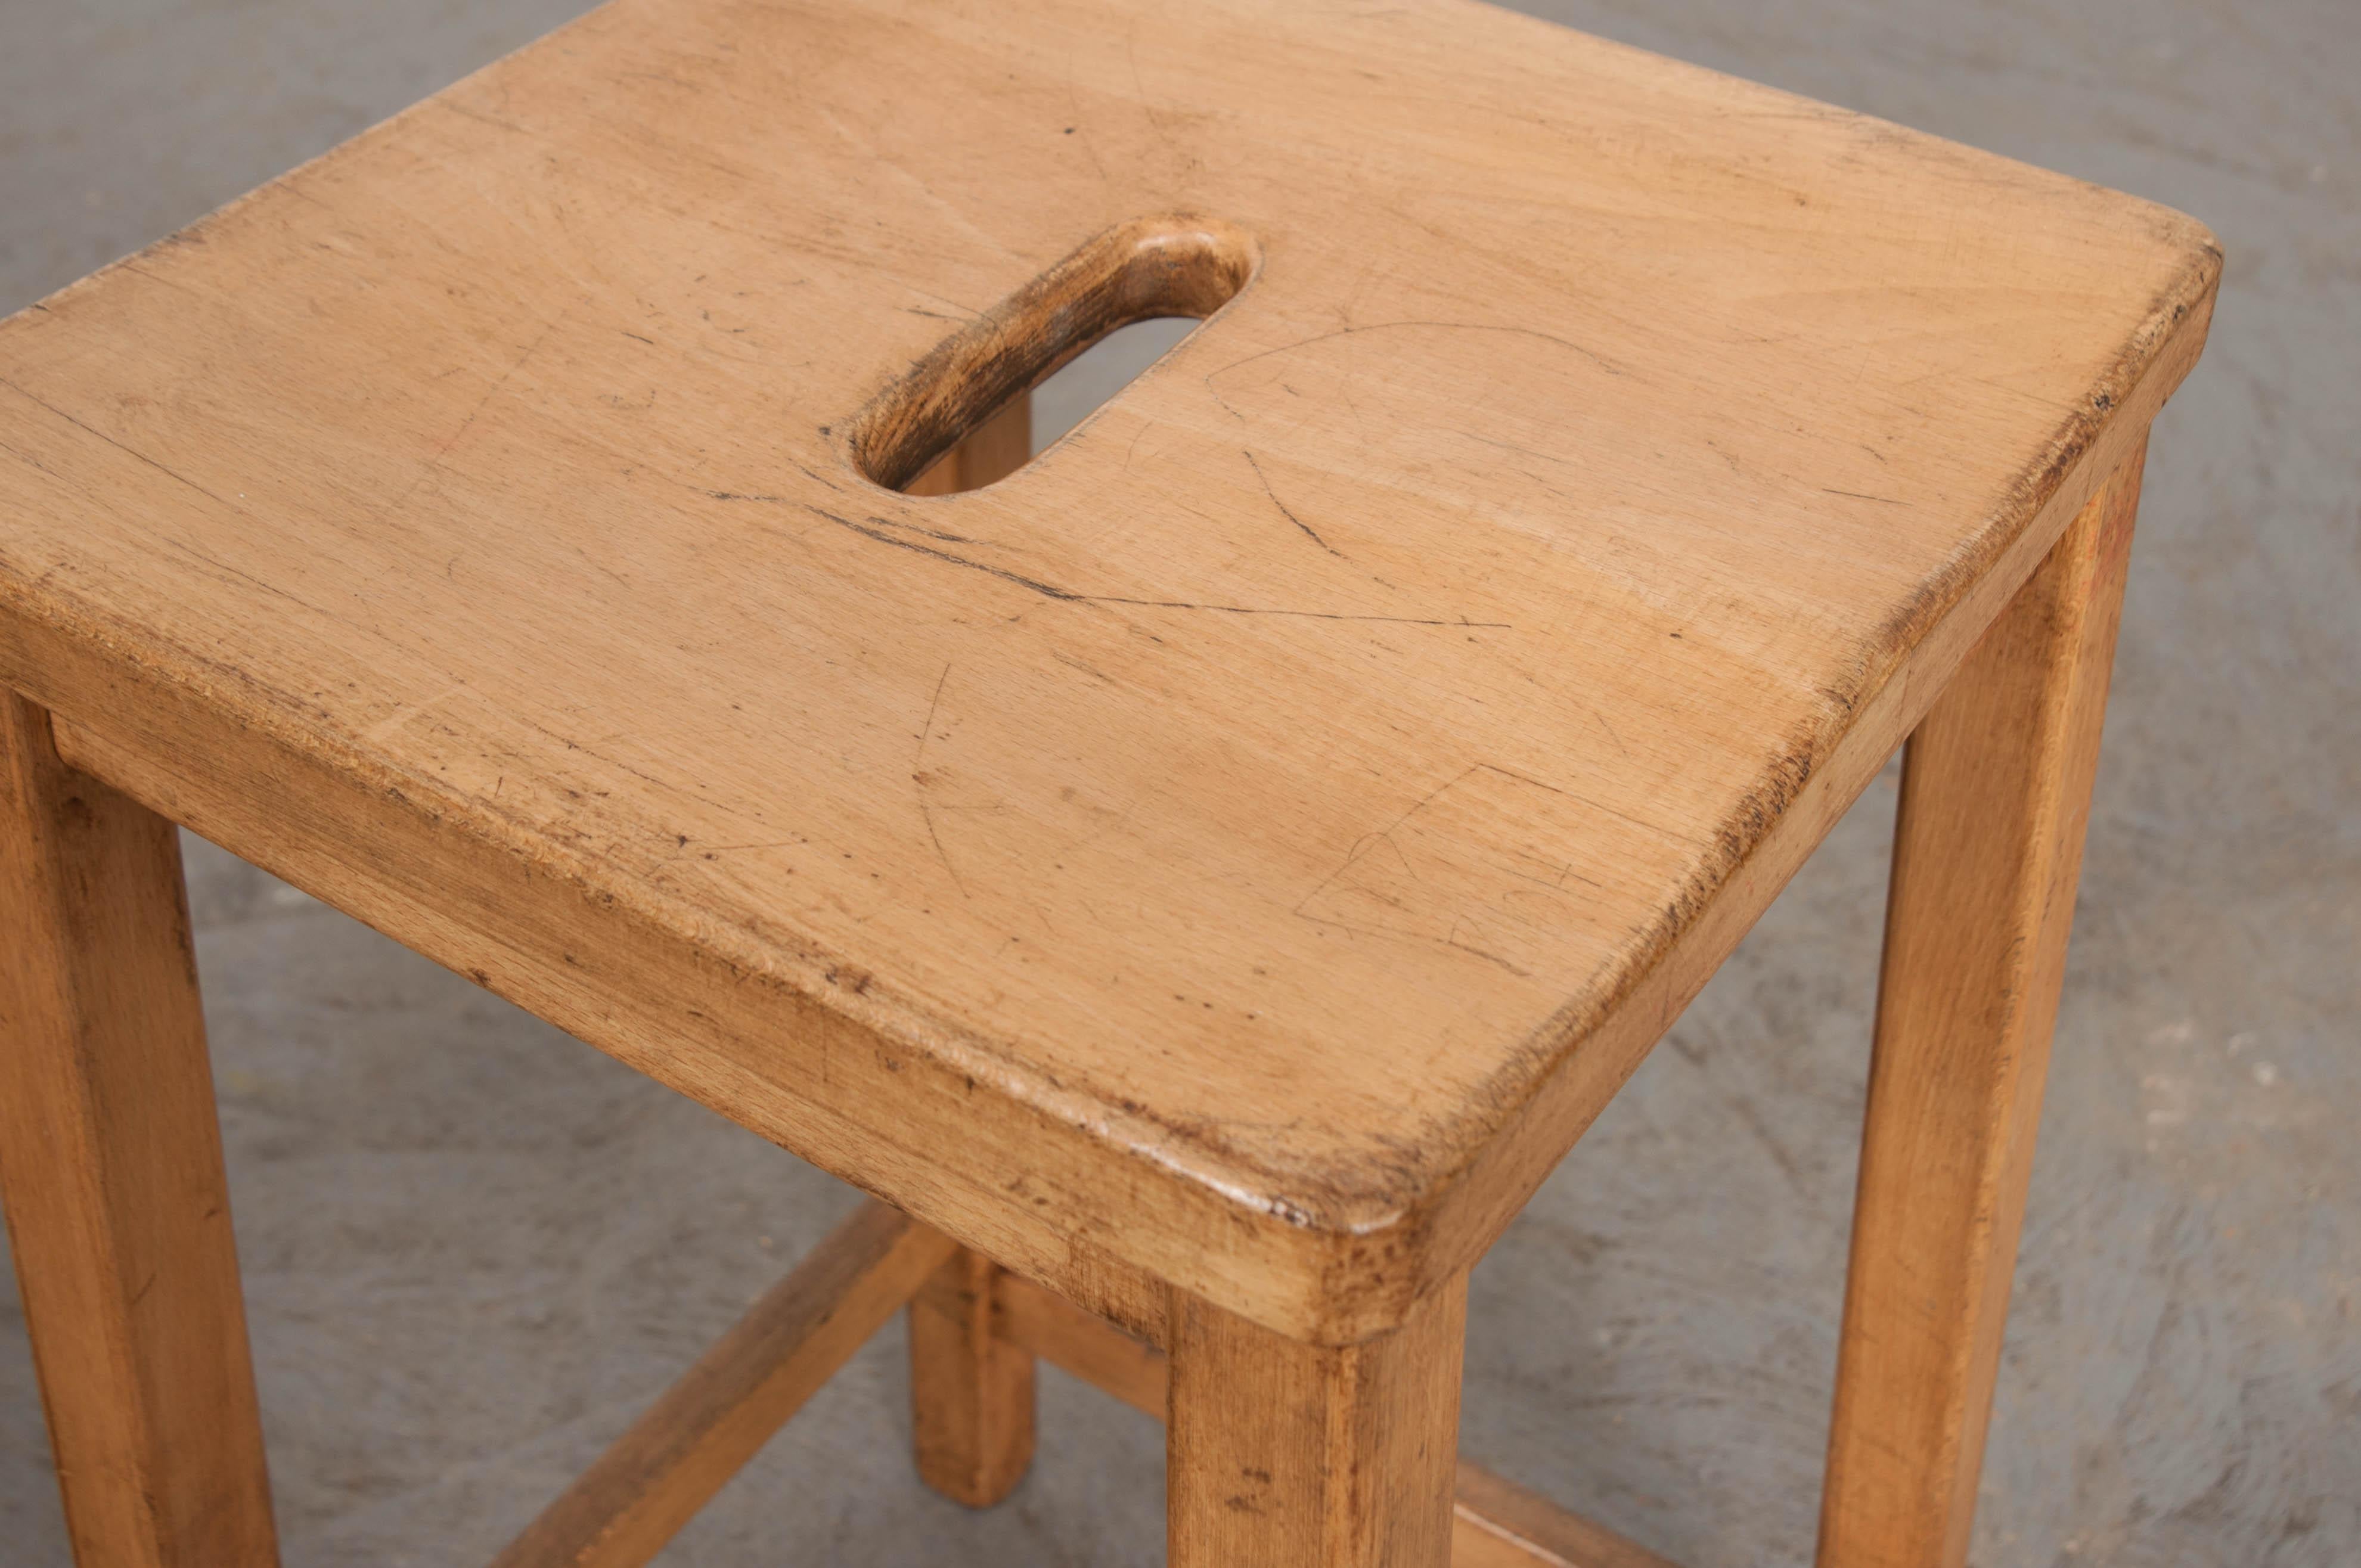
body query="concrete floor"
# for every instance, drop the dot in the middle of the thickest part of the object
(474, 1247)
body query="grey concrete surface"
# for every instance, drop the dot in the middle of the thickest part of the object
(474, 1248)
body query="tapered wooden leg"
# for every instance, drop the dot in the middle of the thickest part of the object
(971, 1389)
(111, 1162)
(1996, 792)
(1283, 1454)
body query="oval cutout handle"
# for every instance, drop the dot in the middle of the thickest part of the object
(1172, 265)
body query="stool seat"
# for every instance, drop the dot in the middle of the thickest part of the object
(1245, 846)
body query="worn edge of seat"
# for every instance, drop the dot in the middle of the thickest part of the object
(1571, 1067)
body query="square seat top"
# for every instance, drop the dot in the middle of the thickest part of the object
(1249, 842)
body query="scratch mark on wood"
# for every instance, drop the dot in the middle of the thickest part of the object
(873, 530)
(436, 462)
(877, 528)
(1531, 452)
(1593, 355)
(936, 533)
(1385, 835)
(595, 566)
(814, 476)
(1091, 669)
(1286, 511)
(127, 450)
(1451, 880)
(1603, 724)
(918, 777)
(933, 704)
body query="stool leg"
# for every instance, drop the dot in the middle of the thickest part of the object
(1289, 1455)
(971, 1389)
(111, 1162)
(1995, 793)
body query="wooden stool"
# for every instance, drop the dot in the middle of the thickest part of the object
(1201, 884)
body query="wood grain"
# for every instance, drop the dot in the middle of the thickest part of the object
(971, 1388)
(1274, 821)
(1498, 1524)
(704, 1429)
(1045, 1325)
(1283, 1454)
(1494, 1523)
(111, 1164)
(1988, 848)
(991, 452)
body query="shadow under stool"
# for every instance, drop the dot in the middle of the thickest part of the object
(1199, 880)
